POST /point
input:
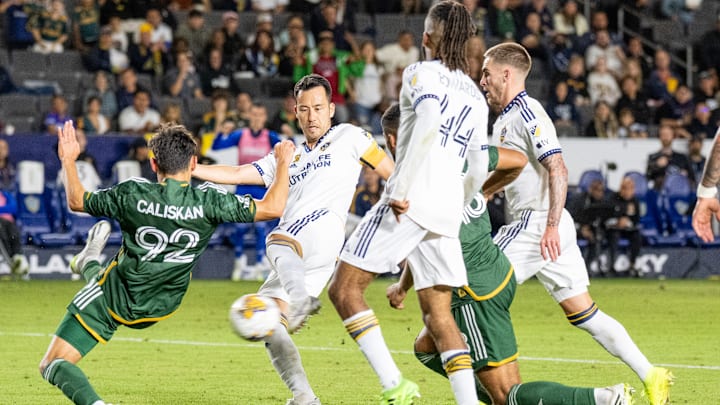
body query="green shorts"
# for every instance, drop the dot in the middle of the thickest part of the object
(87, 320)
(487, 328)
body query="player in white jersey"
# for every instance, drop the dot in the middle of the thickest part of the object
(707, 190)
(443, 123)
(541, 239)
(303, 248)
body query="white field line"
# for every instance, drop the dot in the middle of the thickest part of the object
(341, 349)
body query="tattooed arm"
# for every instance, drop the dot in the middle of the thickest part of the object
(558, 182)
(707, 203)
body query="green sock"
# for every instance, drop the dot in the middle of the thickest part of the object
(72, 381)
(550, 393)
(434, 363)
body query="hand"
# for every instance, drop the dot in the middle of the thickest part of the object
(396, 295)
(68, 146)
(550, 244)
(284, 152)
(399, 207)
(702, 216)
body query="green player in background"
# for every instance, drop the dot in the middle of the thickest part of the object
(165, 226)
(482, 308)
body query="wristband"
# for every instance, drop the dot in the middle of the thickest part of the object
(706, 192)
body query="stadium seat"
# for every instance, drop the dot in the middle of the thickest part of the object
(36, 219)
(390, 26)
(252, 86)
(125, 169)
(277, 87)
(23, 124)
(587, 177)
(68, 61)
(29, 61)
(19, 104)
(5, 59)
(678, 199)
(641, 182)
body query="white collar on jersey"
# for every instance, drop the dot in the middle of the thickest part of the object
(319, 141)
(518, 100)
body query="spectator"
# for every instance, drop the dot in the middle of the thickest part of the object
(243, 104)
(501, 22)
(127, 87)
(663, 81)
(367, 90)
(148, 57)
(263, 22)
(563, 112)
(569, 21)
(17, 20)
(10, 235)
(590, 209)
(195, 32)
(329, 21)
(253, 143)
(123, 10)
(335, 65)
(260, 59)
(101, 89)
(530, 36)
(57, 115)
(707, 90)
(541, 9)
(632, 68)
(216, 75)
(295, 29)
(119, 37)
(139, 117)
(104, 56)
(560, 53)
(8, 172)
(395, 57)
(602, 47)
(234, 43)
(577, 81)
(477, 12)
(93, 122)
(702, 125)
(624, 223)
(161, 35)
(598, 22)
(697, 160)
(171, 113)
(635, 50)
(476, 55)
(51, 31)
(678, 10)
(368, 192)
(86, 25)
(678, 111)
(182, 80)
(216, 41)
(139, 152)
(604, 123)
(666, 160)
(635, 100)
(628, 127)
(213, 120)
(602, 85)
(709, 49)
(285, 121)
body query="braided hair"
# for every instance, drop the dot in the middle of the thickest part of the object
(452, 27)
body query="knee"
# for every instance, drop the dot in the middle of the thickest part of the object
(334, 291)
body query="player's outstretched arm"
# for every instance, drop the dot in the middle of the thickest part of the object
(509, 166)
(707, 203)
(224, 174)
(68, 152)
(273, 204)
(557, 181)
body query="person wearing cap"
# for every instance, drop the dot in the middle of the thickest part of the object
(704, 92)
(336, 66)
(162, 35)
(234, 43)
(146, 56)
(86, 25)
(264, 22)
(194, 31)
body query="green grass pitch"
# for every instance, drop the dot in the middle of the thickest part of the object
(194, 358)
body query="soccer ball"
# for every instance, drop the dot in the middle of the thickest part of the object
(254, 317)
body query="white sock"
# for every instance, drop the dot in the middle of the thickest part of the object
(461, 375)
(365, 329)
(614, 338)
(291, 270)
(285, 358)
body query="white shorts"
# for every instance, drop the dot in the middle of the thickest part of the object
(321, 235)
(520, 241)
(379, 243)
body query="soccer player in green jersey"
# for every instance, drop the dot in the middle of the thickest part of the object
(165, 225)
(482, 308)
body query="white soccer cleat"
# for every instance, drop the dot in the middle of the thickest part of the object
(300, 313)
(621, 394)
(303, 399)
(97, 238)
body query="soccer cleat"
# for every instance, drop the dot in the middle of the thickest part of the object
(303, 399)
(239, 268)
(621, 394)
(403, 394)
(97, 238)
(657, 386)
(300, 313)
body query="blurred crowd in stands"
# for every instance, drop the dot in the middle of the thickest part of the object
(226, 68)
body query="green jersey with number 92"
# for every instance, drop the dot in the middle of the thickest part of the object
(165, 228)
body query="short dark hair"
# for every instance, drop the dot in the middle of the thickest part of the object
(390, 120)
(173, 146)
(311, 81)
(194, 13)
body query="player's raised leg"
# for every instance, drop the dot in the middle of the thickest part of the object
(96, 240)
